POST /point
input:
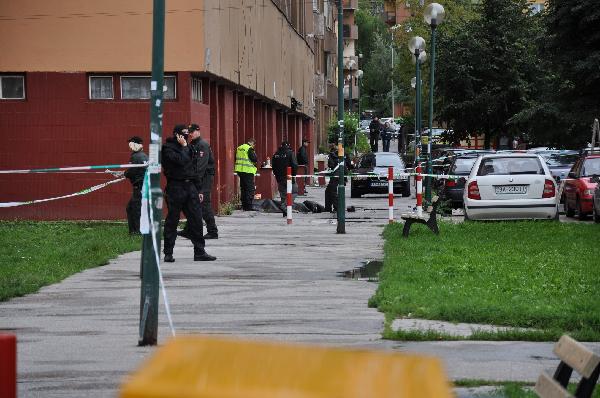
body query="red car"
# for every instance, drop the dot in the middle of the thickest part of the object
(579, 189)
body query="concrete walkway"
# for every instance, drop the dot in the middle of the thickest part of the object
(271, 281)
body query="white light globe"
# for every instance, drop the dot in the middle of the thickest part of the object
(416, 43)
(434, 14)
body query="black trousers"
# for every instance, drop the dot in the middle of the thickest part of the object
(374, 141)
(183, 196)
(134, 209)
(208, 215)
(247, 190)
(331, 196)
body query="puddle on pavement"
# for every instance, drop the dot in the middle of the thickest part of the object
(368, 272)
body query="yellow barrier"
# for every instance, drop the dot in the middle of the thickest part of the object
(209, 367)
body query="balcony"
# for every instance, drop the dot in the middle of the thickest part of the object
(355, 92)
(332, 95)
(350, 32)
(330, 42)
(350, 4)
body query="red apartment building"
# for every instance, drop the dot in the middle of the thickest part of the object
(74, 80)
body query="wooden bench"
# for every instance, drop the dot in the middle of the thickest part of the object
(573, 356)
(431, 221)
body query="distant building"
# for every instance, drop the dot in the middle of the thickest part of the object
(75, 80)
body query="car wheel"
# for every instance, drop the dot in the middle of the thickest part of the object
(568, 211)
(596, 215)
(355, 193)
(580, 214)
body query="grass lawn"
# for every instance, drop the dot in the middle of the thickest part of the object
(543, 275)
(36, 254)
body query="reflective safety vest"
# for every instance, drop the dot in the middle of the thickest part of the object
(242, 161)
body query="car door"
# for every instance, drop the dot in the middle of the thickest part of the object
(570, 190)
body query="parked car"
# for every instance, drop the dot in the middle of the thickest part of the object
(452, 190)
(378, 163)
(559, 162)
(510, 186)
(579, 189)
(445, 157)
(596, 200)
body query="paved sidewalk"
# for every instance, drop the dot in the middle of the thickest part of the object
(271, 281)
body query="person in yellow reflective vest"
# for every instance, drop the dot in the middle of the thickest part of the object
(245, 167)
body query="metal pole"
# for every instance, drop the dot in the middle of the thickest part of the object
(341, 208)
(149, 289)
(350, 94)
(430, 135)
(393, 102)
(418, 109)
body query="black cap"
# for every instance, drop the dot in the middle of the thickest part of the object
(285, 144)
(193, 127)
(180, 129)
(135, 139)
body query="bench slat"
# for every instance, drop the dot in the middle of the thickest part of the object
(576, 355)
(547, 387)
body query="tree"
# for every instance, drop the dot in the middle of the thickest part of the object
(573, 46)
(487, 68)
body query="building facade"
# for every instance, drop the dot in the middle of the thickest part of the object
(76, 87)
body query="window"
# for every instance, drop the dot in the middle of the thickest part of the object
(101, 87)
(510, 166)
(196, 89)
(12, 87)
(536, 8)
(138, 87)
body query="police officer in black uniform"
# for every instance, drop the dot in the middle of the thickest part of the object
(136, 177)
(182, 193)
(331, 196)
(282, 159)
(205, 167)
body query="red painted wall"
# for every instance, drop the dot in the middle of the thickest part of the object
(58, 126)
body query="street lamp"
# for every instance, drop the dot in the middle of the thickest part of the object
(416, 46)
(433, 15)
(349, 78)
(393, 29)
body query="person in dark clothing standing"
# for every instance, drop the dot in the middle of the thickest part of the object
(374, 129)
(302, 158)
(136, 176)
(245, 167)
(180, 165)
(281, 160)
(205, 167)
(331, 195)
(386, 136)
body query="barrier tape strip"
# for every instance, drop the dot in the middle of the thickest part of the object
(62, 169)
(82, 192)
(148, 191)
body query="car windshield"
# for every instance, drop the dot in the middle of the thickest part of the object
(462, 166)
(560, 159)
(510, 166)
(591, 167)
(389, 160)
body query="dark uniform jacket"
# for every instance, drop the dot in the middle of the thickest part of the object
(136, 174)
(282, 159)
(374, 128)
(302, 155)
(204, 163)
(177, 161)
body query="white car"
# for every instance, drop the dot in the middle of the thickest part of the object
(510, 186)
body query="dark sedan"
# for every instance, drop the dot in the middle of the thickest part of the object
(378, 164)
(559, 162)
(453, 189)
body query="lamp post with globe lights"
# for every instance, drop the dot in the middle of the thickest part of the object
(416, 46)
(433, 15)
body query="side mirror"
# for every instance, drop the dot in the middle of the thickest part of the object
(572, 174)
(595, 179)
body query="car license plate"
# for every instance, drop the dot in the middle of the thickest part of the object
(379, 183)
(510, 189)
